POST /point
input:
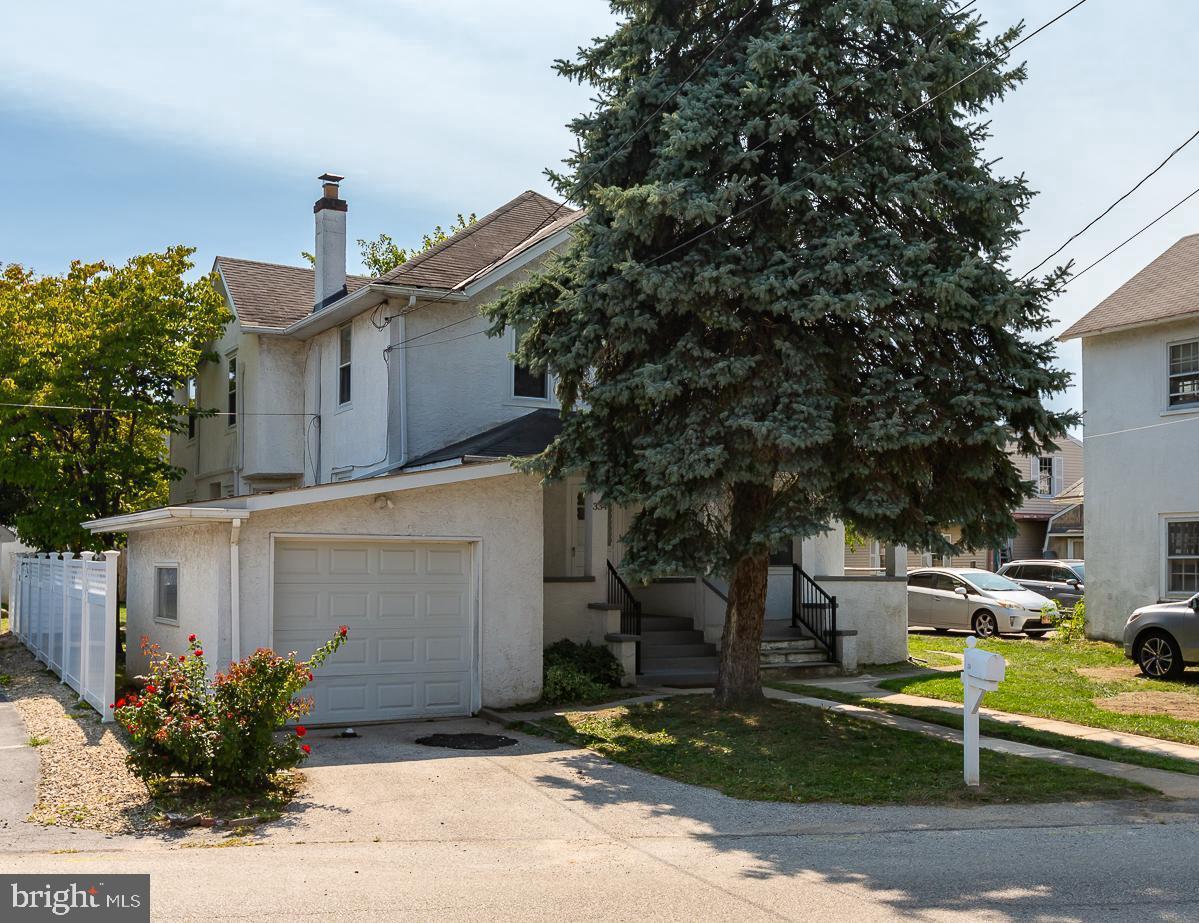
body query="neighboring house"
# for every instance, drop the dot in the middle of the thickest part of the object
(1140, 393)
(1049, 524)
(9, 546)
(357, 473)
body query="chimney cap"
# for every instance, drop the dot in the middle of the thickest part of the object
(330, 178)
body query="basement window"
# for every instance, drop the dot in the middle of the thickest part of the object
(344, 354)
(166, 592)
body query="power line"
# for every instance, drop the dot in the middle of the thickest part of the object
(1107, 210)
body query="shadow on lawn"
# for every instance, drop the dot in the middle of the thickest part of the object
(1000, 861)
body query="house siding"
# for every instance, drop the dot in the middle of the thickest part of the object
(1138, 470)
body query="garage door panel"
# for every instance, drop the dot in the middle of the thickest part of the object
(407, 606)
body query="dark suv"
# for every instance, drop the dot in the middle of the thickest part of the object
(1059, 580)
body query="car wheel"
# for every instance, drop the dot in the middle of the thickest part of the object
(985, 625)
(1159, 656)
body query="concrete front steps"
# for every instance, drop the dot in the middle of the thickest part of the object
(674, 653)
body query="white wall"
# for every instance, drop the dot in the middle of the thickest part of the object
(877, 609)
(7, 550)
(202, 553)
(1134, 479)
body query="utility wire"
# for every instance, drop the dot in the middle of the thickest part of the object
(1107, 210)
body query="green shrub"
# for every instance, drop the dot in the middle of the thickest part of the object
(565, 683)
(595, 662)
(1071, 624)
(222, 731)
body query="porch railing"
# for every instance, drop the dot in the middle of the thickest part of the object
(814, 609)
(619, 594)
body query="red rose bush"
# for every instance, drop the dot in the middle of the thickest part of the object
(224, 730)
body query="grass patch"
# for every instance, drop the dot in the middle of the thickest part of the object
(1043, 681)
(777, 751)
(192, 796)
(38, 741)
(5, 680)
(991, 728)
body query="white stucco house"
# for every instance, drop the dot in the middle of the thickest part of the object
(356, 472)
(1140, 392)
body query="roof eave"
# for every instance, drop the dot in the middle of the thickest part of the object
(164, 517)
(358, 301)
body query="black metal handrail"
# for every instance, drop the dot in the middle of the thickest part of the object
(814, 609)
(619, 594)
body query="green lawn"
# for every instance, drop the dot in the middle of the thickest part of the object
(778, 751)
(1042, 680)
(992, 728)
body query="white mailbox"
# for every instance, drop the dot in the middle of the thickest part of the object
(982, 671)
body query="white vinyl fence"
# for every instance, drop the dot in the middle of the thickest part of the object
(64, 609)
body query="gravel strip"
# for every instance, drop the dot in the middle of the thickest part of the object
(84, 781)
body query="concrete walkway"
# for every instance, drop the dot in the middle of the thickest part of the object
(1171, 784)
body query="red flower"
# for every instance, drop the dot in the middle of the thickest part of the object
(343, 630)
(182, 658)
(310, 677)
(151, 689)
(306, 748)
(199, 652)
(191, 638)
(120, 703)
(301, 730)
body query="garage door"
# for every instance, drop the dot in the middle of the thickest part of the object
(408, 608)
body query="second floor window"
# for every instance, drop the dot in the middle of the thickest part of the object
(525, 382)
(344, 380)
(1184, 374)
(231, 408)
(1047, 473)
(191, 405)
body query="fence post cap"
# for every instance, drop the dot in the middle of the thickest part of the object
(87, 555)
(111, 555)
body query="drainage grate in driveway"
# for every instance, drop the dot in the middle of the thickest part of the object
(467, 741)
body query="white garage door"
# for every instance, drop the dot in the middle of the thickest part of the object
(408, 608)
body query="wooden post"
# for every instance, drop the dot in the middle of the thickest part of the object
(110, 634)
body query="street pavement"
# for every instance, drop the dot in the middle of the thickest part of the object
(388, 829)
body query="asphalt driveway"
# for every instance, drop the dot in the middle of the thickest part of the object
(391, 829)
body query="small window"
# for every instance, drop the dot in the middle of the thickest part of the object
(1015, 572)
(344, 379)
(526, 383)
(215, 491)
(780, 555)
(1182, 557)
(946, 583)
(191, 403)
(166, 592)
(922, 581)
(1183, 376)
(231, 409)
(1042, 572)
(337, 475)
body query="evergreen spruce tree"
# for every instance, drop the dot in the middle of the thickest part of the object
(756, 334)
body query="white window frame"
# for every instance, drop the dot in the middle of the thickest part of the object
(1167, 407)
(345, 361)
(231, 363)
(513, 397)
(1056, 474)
(1166, 592)
(158, 616)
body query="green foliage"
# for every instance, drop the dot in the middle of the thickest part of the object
(1071, 624)
(846, 340)
(119, 340)
(224, 731)
(564, 682)
(592, 660)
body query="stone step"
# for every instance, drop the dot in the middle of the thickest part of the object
(790, 644)
(785, 657)
(652, 649)
(666, 623)
(672, 637)
(682, 679)
(707, 661)
(800, 671)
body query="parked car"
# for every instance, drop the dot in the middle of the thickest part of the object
(1059, 580)
(975, 600)
(1163, 639)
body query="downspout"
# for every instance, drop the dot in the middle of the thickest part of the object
(397, 391)
(234, 590)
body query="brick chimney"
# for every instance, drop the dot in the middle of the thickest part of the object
(330, 211)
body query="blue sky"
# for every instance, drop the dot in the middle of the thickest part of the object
(207, 124)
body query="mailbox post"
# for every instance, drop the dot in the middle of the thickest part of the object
(982, 672)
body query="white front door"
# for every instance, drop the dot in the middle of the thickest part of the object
(576, 526)
(408, 606)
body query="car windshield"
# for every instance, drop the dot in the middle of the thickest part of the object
(985, 580)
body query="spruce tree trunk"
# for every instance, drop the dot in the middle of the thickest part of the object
(739, 680)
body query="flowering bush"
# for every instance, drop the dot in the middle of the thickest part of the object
(223, 731)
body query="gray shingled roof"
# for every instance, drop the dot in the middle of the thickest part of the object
(490, 240)
(519, 438)
(271, 294)
(1166, 289)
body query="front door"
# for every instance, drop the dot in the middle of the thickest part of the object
(576, 530)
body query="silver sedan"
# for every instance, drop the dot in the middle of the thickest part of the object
(975, 600)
